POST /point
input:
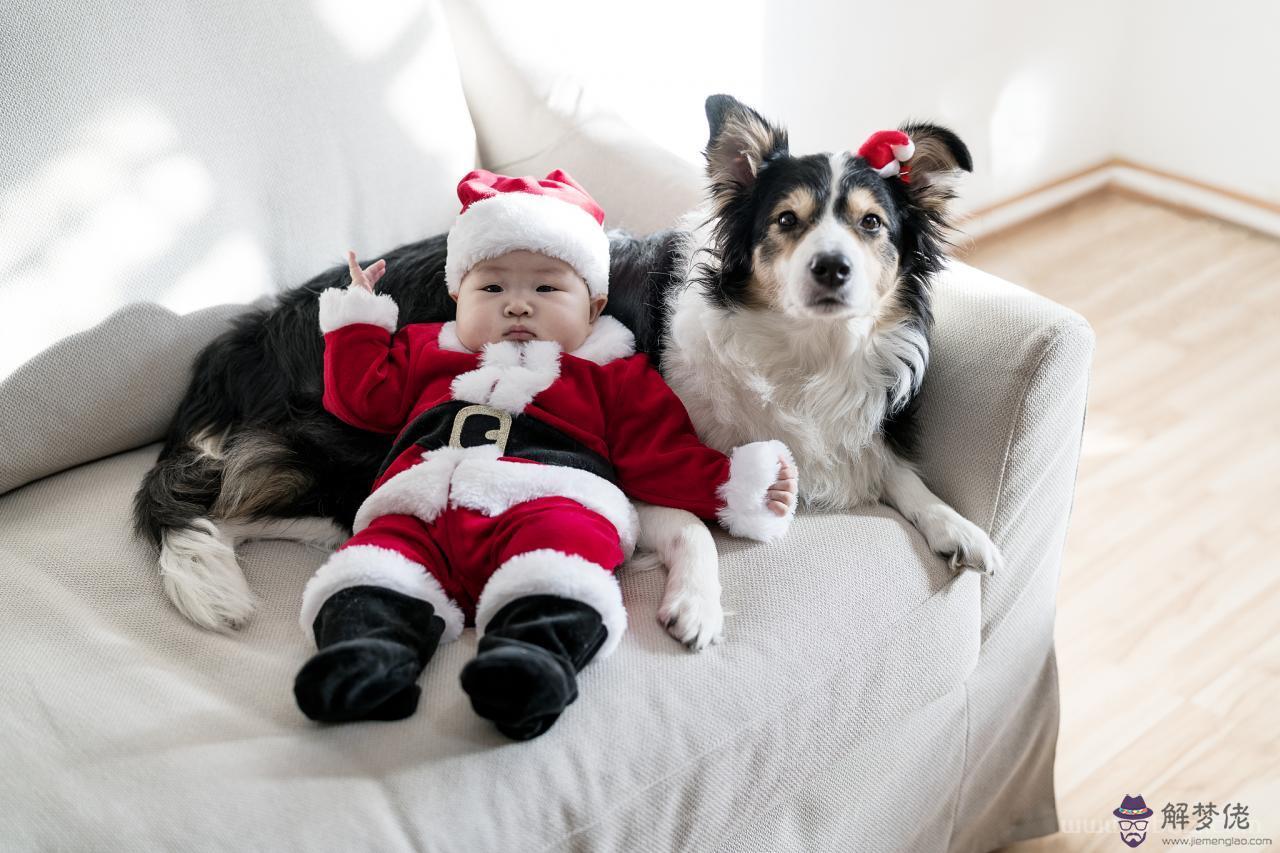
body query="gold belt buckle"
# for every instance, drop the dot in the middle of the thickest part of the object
(498, 436)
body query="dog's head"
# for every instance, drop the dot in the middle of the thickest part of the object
(822, 235)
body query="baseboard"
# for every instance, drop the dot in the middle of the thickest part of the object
(1134, 179)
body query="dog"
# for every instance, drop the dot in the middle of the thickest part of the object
(803, 314)
(796, 307)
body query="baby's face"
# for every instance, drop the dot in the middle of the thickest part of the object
(525, 296)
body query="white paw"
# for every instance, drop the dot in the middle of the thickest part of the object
(965, 544)
(693, 615)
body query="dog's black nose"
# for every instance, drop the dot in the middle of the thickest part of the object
(830, 268)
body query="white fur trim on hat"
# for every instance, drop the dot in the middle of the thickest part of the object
(345, 306)
(370, 565)
(890, 169)
(547, 571)
(515, 220)
(753, 468)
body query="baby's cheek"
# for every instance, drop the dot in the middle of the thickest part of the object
(471, 330)
(569, 329)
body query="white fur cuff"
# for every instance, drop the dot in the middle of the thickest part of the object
(345, 306)
(369, 565)
(753, 468)
(550, 572)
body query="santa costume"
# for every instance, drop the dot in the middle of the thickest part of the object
(505, 501)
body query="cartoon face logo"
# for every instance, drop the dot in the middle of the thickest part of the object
(1133, 832)
(1132, 817)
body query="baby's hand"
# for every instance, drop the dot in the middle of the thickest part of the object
(366, 278)
(782, 494)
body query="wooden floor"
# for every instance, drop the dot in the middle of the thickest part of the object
(1169, 602)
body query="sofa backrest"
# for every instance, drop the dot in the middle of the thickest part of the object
(164, 166)
(530, 118)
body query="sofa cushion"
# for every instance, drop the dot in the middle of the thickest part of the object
(192, 156)
(123, 721)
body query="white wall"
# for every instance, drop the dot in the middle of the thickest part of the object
(1038, 90)
(1199, 92)
(1041, 90)
(653, 64)
(1023, 84)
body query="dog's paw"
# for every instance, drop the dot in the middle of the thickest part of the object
(692, 615)
(965, 545)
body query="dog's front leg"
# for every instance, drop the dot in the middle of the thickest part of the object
(690, 608)
(948, 532)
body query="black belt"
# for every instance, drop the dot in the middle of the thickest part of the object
(462, 424)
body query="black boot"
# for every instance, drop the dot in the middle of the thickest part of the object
(373, 645)
(523, 675)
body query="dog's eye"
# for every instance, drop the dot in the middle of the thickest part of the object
(870, 222)
(787, 220)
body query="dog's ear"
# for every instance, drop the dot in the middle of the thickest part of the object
(936, 166)
(740, 142)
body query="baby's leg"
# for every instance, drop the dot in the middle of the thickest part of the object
(549, 609)
(377, 616)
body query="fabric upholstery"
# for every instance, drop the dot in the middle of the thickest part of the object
(123, 721)
(934, 693)
(863, 698)
(1002, 415)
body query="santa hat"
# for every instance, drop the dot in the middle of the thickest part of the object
(887, 151)
(553, 216)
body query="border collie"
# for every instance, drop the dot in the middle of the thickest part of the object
(795, 307)
(802, 313)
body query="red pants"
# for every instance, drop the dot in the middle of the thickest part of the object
(462, 547)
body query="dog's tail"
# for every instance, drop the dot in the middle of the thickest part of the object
(204, 496)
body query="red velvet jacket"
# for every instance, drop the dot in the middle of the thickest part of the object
(603, 395)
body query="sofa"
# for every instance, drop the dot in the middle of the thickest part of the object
(167, 165)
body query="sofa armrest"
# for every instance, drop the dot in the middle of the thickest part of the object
(1001, 421)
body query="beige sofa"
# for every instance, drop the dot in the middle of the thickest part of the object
(161, 165)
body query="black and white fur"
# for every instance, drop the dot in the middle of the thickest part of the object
(805, 316)
(753, 343)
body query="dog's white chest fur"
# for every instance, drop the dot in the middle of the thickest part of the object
(823, 387)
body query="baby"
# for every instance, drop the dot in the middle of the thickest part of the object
(523, 429)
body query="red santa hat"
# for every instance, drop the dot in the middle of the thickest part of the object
(887, 151)
(553, 216)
